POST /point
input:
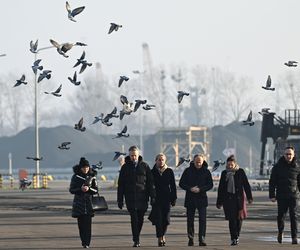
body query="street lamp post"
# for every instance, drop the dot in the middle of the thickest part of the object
(36, 113)
(141, 117)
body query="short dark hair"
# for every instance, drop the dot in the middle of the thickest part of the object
(290, 147)
(231, 158)
(133, 148)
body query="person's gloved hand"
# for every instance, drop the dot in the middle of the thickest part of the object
(173, 203)
(152, 201)
(120, 205)
(218, 206)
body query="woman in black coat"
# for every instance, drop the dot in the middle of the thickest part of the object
(83, 186)
(166, 195)
(196, 180)
(233, 184)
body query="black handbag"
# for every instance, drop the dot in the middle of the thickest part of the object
(99, 203)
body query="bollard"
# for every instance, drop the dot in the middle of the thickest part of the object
(11, 182)
(1, 181)
(45, 181)
(34, 180)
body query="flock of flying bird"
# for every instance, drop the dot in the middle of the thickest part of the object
(248, 121)
(128, 107)
(62, 49)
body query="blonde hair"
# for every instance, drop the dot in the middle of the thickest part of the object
(159, 155)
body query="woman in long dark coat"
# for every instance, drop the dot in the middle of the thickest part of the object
(83, 186)
(196, 180)
(166, 196)
(231, 195)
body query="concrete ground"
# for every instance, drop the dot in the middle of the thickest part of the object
(40, 219)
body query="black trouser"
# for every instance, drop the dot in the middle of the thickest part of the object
(161, 225)
(235, 226)
(284, 205)
(85, 229)
(137, 220)
(190, 212)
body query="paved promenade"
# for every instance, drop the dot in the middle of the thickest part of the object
(40, 219)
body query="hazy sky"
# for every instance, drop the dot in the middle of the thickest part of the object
(252, 38)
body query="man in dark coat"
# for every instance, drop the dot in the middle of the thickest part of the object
(284, 187)
(196, 180)
(83, 185)
(166, 195)
(136, 184)
(232, 185)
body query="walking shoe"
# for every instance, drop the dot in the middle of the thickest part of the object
(202, 244)
(279, 237)
(294, 241)
(191, 243)
(136, 244)
(86, 246)
(234, 242)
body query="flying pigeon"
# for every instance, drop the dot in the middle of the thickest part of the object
(180, 95)
(114, 27)
(98, 118)
(122, 79)
(138, 104)
(291, 64)
(74, 79)
(56, 92)
(249, 120)
(34, 158)
(21, 81)
(73, 13)
(122, 133)
(33, 46)
(182, 160)
(44, 74)
(83, 62)
(63, 48)
(148, 107)
(217, 164)
(268, 84)
(113, 113)
(64, 145)
(79, 125)
(98, 165)
(127, 107)
(117, 155)
(35, 67)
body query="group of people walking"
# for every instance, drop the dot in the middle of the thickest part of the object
(139, 184)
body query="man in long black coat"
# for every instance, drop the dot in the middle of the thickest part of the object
(196, 180)
(284, 187)
(136, 184)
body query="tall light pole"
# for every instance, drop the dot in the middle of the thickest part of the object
(141, 117)
(36, 114)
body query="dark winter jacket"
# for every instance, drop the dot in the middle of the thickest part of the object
(82, 204)
(285, 180)
(136, 184)
(165, 186)
(196, 177)
(241, 186)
